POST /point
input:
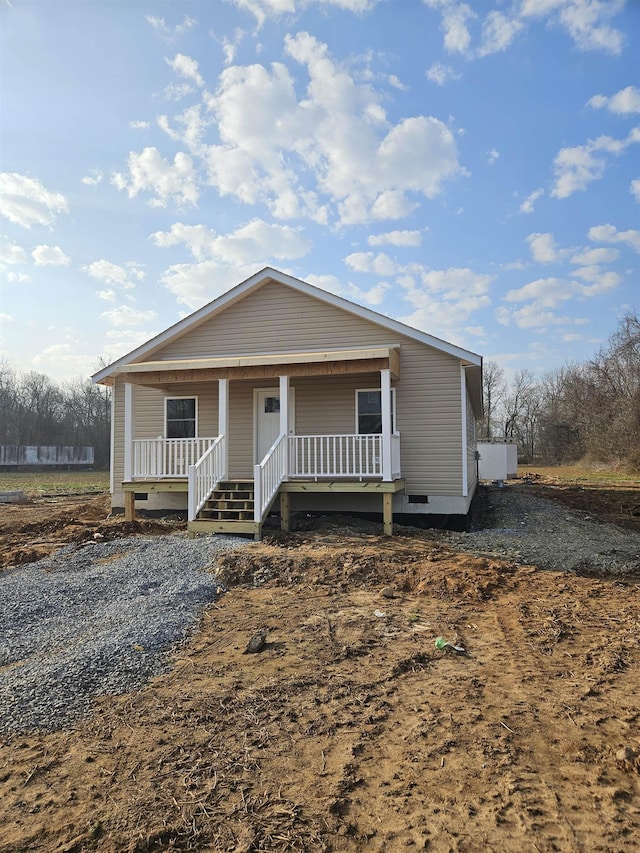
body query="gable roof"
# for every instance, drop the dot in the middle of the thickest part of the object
(256, 281)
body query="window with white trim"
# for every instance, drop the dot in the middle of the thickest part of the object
(369, 411)
(181, 417)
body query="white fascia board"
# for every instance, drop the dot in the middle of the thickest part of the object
(253, 282)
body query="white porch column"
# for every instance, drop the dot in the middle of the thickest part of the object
(284, 420)
(385, 405)
(128, 431)
(223, 420)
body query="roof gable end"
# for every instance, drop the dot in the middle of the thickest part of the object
(260, 279)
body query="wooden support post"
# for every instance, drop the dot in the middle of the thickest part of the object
(285, 512)
(387, 513)
(129, 506)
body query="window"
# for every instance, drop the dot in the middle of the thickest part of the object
(369, 411)
(181, 417)
(271, 405)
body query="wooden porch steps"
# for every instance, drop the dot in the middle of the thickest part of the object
(229, 509)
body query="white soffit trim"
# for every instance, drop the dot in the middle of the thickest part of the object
(257, 280)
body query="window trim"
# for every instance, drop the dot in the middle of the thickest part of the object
(181, 397)
(393, 409)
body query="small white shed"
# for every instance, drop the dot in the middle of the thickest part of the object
(498, 460)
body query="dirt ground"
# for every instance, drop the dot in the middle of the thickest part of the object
(350, 731)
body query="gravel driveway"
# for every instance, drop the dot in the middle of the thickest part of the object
(515, 524)
(96, 619)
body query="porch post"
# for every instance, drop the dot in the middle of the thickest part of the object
(128, 431)
(385, 399)
(223, 422)
(284, 421)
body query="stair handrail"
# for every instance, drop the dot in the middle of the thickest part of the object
(269, 475)
(205, 475)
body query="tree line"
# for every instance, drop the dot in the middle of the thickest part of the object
(35, 410)
(589, 410)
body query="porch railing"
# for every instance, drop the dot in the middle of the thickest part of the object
(268, 475)
(205, 475)
(167, 457)
(338, 456)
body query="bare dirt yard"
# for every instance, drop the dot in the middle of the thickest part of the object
(350, 731)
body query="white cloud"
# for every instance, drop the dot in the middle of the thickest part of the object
(177, 91)
(27, 202)
(166, 32)
(108, 295)
(600, 280)
(18, 277)
(255, 240)
(50, 256)
(544, 250)
(397, 83)
(122, 341)
(441, 74)
(139, 125)
(396, 238)
(369, 262)
(624, 102)
(584, 20)
(194, 285)
(11, 253)
(575, 168)
(337, 136)
(150, 172)
(62, 358)
(498, 32)
(186, 67)
(533, 316)
(262, 9)
(545, 292)
(587, 257)
(6, 318)
(93, 179)
(455, 16)
(634, 187)
(110, 273)
(373, 296)
(492, 156)
(609, 234)
(529, 202)
(125, 315)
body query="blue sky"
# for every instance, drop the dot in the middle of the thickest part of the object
(471, 169)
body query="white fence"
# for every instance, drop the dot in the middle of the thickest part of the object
(205, 475)
(167, 457)
(338, 456)
(23, 454)
(268, 475)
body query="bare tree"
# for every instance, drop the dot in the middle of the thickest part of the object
(493, 389)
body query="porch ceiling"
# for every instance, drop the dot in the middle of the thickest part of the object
(264, 366)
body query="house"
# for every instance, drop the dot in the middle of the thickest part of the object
(279, 394)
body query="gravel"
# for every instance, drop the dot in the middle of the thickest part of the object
(513, 523)
(99, 618)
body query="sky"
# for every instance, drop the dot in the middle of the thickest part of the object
(471, 169)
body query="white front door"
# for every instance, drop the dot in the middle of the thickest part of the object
(267, 419)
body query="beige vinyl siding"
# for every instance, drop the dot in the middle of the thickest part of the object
(149, 408)
(276, 318)
(472, 446)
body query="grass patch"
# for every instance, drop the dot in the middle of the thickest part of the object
(40, 484)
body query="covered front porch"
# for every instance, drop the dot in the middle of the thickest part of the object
(223, 493)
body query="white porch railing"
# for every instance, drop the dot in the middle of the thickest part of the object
(268, 475)
(338, 456)
(205, 475)
(167, 457)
